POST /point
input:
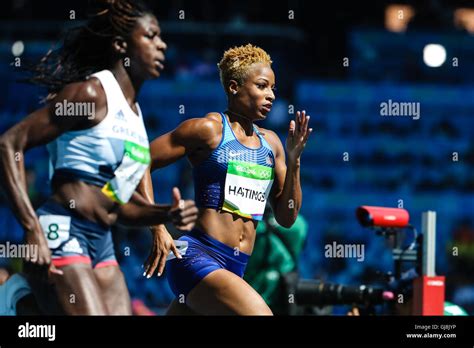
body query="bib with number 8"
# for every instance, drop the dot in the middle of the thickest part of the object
(55, 228)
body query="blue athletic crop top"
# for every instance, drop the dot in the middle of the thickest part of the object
(235, 178)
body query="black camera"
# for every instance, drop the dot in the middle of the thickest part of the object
(311, 292)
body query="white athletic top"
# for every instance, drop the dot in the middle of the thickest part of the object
(113, 154)
(15, 288)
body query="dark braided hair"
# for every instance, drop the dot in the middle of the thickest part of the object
(87, 49)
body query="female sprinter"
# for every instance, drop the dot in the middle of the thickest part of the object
(237, 166)
(99, 159)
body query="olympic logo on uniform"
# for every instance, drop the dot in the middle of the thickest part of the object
(265, 174)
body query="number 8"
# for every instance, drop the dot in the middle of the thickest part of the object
(53, 231)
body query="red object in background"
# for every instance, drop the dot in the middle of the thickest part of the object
(140, 308)
(428, 295)
(382, 217)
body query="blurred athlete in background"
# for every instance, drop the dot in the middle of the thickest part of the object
(99, 159)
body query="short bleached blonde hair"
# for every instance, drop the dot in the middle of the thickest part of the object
(236, 62)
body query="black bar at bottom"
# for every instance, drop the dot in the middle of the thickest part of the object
(237, 330)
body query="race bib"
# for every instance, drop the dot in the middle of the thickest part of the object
(247, 187)
(55, 228)
(128, 174)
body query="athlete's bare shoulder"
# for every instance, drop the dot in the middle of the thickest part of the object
(215, 116)
(272, 138)
(201, 126)
(90, 90)
(87, 91)
(201, 131)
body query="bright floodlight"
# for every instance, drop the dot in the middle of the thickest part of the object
(434, 55)
(18, 48)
